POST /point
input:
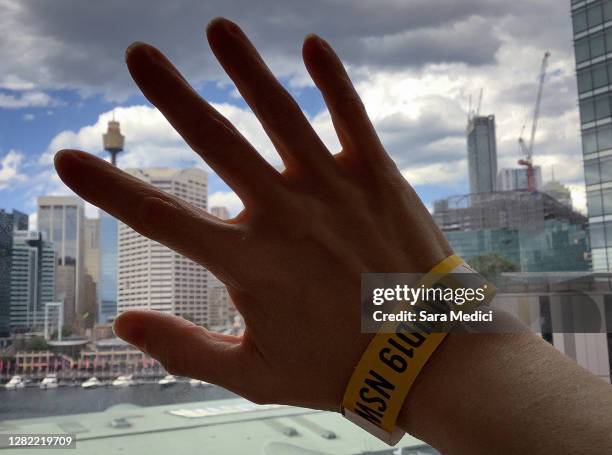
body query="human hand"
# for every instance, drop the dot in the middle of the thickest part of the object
(292, 259)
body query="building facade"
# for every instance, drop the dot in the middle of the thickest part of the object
(511, 179)
(533, 231)
(32, 280)
(150, 275)
(107, 284)
(9, 222)
(482, 154)
(592, 27)
(62, 220)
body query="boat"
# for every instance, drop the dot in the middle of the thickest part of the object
(49, 382)
(124, 381)
(167, 380)
(16, 382)
(199, 383)
(91, 383)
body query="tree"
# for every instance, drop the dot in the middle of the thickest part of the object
(492, 265)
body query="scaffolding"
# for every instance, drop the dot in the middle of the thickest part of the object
(522, 210)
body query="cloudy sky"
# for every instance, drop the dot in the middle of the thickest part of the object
(414, 62)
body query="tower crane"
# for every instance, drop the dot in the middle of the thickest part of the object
(527, 148)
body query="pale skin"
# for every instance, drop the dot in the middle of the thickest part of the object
(292, 261)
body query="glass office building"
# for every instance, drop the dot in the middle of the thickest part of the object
(9, 222)
(107, 285)
(592, 27)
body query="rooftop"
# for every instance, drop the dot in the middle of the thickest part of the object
(232, 426)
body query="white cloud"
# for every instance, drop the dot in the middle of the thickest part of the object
(32, 98)
(28, 117)
(227, 199)
(578, 198)
(10, 165)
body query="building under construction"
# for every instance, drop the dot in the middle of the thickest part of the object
(532, 230)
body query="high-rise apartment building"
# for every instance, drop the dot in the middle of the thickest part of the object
(32, 279)
(150, 275)
(9, 222)
(61, 219)
(482, 154)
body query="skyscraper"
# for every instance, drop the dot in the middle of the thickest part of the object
(593, 48)
(151, 276)
(107, 285)
(113, 142)
(32, 279)
(61, 219)
(9, 222)
(593, 42)
(482, 154)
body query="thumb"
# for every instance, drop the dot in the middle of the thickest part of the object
(183, 348)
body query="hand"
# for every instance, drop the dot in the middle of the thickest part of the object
(292, 258)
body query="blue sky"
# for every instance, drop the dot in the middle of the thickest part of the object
(63, 74)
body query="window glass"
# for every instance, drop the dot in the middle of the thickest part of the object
(594, 15)
(606, 197)
(584, 81)
(582, 50)
(608, 229)
(608, 36)
(597, 235)
(605, 166)
(591, 171)
(587, 111)
(579, 21)
(607, 10)
(600, 75)
(589, 142)
(602, 107)
(597, 46)
(604, 138)
(594, 203)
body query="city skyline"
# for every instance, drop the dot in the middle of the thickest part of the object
(418, 111)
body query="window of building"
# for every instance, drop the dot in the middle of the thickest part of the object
(582, 50)
(602, 107)
(594, 15)
(605, 165)
(580, 21)
(591, 171)
(594, 203)
(587, 111)
(589, 141)
(607, 10)
(604, 137)
(600, 76)
(598, 47)
(585, 82)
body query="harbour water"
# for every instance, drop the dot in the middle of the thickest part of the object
(33, 402)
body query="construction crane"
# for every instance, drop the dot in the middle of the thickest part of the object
(527, 149)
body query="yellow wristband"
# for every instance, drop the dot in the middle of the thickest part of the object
(389, 366)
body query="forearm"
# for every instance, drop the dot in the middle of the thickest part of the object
(508, 393)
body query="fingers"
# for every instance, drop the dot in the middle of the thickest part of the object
(281, 117)
(210, 134)
(148, 210)
(353, 126)
(185, 349)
